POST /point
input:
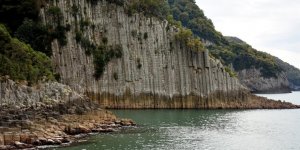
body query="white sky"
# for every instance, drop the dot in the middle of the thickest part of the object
(272, 26)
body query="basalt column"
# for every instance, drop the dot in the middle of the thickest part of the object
(155, 70)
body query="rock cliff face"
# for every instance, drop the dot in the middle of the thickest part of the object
(155, 71)
(292, 73)
(19, 95)
(253, 79)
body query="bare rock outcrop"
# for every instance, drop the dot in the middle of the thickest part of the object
(253, 79)
(49, 114)
(20, 95)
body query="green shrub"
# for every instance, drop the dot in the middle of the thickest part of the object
(186, 36)
(20, 61)
(87, 45)
(36, 35)
(173, 22)
(104, 54)
(230, 72)
(56, 14)
(157, 8)
(59, 33)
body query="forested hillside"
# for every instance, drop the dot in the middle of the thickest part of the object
(231, 50)
(292, 73)
(233, 53)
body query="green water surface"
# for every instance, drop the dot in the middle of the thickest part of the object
(202, 129)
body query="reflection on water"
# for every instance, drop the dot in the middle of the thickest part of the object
(203, 129)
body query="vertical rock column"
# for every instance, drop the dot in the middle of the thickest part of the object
(156, 70)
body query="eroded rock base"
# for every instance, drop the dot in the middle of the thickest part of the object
(217, 100)
(29, 129)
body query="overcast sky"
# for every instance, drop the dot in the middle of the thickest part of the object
(272, 26)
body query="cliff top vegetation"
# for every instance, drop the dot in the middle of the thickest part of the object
(240, 55)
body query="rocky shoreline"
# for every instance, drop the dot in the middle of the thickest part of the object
(60, 131)
(49, 114)
(62, 124)
(53, 114)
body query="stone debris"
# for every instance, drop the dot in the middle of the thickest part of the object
(61, 130)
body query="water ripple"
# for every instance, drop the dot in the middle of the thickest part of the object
(198, 129)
